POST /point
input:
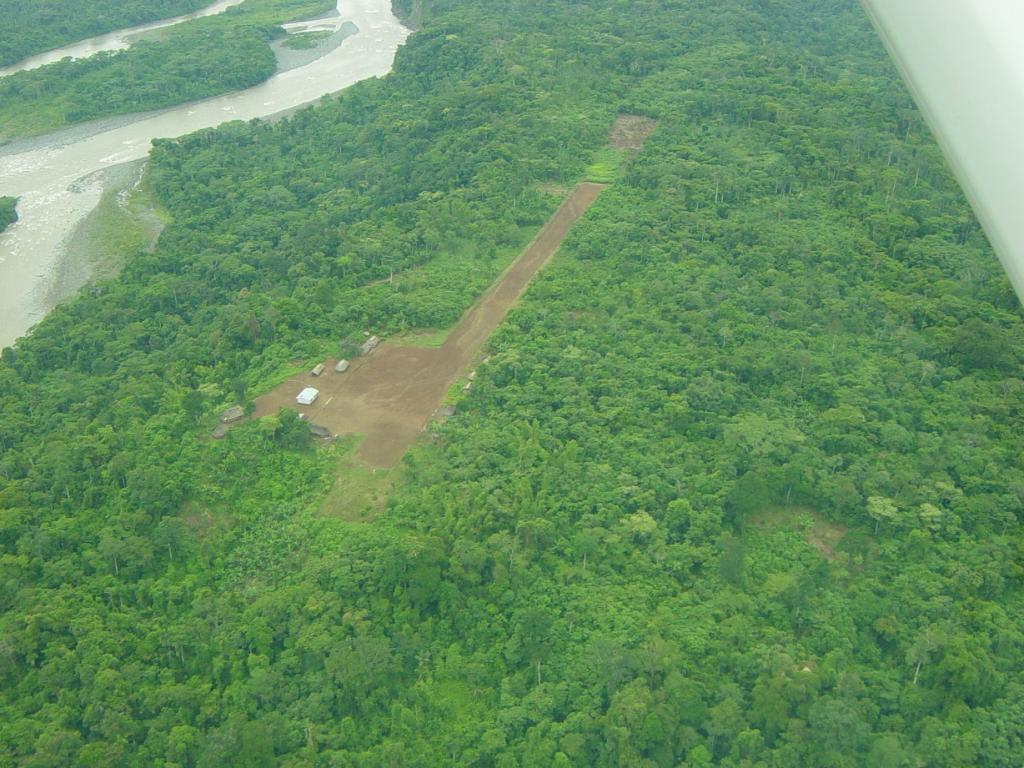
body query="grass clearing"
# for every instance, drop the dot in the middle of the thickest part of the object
(430, 338)
(281, 373)
(8, 212)
(306, 40)
(359, 493)
(626, 139)
(824, 536)
(605, 167)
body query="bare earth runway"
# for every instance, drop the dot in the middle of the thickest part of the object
(390, 395)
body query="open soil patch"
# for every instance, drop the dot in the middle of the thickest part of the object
(629, 132)
(390, 395)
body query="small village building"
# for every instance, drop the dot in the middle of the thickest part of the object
(234, 413)
(307, 396)
(369, 345)
(322, 432)
(318, 369)
(341, 367)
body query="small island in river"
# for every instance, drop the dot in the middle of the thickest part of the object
(8, 212)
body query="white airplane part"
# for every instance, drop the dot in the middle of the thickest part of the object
(963, 61)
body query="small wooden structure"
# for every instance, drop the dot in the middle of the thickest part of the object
(317, 369)
(341, 367)
(234, 413)
(369, 345)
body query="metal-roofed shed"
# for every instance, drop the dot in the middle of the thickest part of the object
(307, 396)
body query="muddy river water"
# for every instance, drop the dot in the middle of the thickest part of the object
(112, 41)
(59, 179)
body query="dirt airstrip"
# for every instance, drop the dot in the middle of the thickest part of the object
(391, 394)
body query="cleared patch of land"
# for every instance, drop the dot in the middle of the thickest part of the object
(389, 396)
(625, 140)
(823, 535)
(421, 338)
(629, 132)
(359, 492)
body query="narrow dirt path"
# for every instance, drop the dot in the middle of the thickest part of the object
(390, 395)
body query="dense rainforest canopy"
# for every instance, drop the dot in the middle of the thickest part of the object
(739, 485)
(34, 26)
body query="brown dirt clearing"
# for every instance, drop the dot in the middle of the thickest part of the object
(551, 188)
(630, 132)
(389, 396)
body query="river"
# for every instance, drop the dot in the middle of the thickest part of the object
(60, 179)
(111, 41)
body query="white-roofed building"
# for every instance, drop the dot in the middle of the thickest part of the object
(307, 396)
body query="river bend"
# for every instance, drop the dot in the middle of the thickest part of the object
(60, 180)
